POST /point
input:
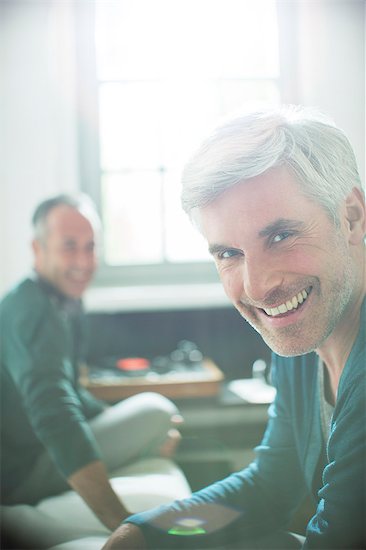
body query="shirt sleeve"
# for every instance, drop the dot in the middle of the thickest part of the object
(91, 405)
(258, 500)
(37, 352)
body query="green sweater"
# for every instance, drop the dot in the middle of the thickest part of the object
(42, 403)
(263, 497)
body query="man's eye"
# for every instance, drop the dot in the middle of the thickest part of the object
(69, 246)
(281, 236)
(230, 253)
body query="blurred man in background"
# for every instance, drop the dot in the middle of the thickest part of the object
(55, 435)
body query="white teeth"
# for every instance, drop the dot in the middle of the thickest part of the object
(289, 305)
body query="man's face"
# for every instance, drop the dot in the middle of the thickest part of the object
(286, 267)
(66, 258)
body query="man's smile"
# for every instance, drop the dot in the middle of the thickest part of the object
(79, 277)
(286, 310)
(289, 305)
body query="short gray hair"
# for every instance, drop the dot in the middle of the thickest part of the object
(304, 140)
(81, 202)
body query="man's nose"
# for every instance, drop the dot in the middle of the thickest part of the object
(260, 278)
(84, 260)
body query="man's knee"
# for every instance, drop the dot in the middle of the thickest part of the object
(155, 406)
(160, 402)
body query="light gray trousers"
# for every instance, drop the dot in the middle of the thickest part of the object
(132, 429)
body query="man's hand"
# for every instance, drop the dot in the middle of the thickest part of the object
(126, 537)
(92, 484)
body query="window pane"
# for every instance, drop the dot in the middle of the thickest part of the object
(235, 94)
(190, 108)
(183, 241)
(132, 218)
(131, 38)
(167, 72)
(249, 40)
(207, 38)
(130, 125)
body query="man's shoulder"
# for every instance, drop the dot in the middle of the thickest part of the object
(26, 295)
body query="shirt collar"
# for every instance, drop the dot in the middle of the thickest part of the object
(70, 305)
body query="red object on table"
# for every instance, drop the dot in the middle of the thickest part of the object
(133, 364)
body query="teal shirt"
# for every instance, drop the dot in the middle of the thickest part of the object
(292, 460)
(42, 404)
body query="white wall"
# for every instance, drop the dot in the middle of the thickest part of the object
(38, 110)
(38, 123)
(332, 64)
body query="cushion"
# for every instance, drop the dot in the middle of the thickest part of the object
(144, 484)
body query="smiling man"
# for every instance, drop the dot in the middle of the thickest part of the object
(278, 198)
(279, 270)
(54, 434)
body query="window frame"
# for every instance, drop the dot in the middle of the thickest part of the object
(182, 273)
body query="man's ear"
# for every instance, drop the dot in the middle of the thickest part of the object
(37, 252)
(355, 216)
(36, 246)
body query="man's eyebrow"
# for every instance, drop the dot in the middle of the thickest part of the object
(280, 225)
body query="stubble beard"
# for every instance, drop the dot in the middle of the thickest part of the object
(333, 296)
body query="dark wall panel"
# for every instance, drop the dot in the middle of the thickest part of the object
(219, 333)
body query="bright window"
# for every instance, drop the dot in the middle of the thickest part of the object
(166, 71)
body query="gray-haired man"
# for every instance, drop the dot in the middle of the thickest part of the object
(54, 434)
(278, 198)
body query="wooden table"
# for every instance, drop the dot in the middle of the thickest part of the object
(178, 385)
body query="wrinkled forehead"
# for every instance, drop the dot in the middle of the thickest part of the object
(264, 193)
(252, 206)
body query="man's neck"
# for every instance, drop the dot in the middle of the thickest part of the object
(335, 351)
(51, 289)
